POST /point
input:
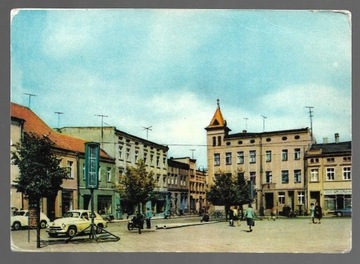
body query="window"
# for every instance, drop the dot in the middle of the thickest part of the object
(108, 174)
(346, 158)
(145, 157)
(228, 158)
(268, 156)
(297, 154)
(281, 198)
(346, 173)
(330, 160)
(297, 176)
(284, 155)
(136, 155)
(151, 159)
(219, 140)
(314, 175)
(240, 157)
(158, 161)
(330, 174)
(121, 151)
(285, 176)
(214, 141)
(252, 156)
(83, 170)
(217, 159)
(128, 153)
(253, 177)
(301, 197)
(268, 176)
(70, 169)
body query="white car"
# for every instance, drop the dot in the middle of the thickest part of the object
(20, 219)
(74, 222)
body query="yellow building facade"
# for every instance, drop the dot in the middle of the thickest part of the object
(329, 178)
(272, 162)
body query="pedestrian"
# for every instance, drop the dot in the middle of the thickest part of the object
(312, 212)
(318, 212)
(231, 217)
(236, 216)
(249, 215)
(148, 218)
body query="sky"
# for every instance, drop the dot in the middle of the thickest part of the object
(166, 68)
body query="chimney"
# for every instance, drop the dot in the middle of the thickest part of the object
(336, 137)
(325, 140)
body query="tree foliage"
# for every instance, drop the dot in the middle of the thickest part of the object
(228, 190)
(40, 173)
(137, 185)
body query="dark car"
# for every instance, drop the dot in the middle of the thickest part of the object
(343, 212)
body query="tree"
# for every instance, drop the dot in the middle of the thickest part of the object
(137, 185)
(40, 173)
(228, 190)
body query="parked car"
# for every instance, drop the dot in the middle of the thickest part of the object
(20, 219)
(74, 222)
(343, 212)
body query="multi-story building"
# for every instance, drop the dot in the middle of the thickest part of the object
(273, 162)
(329, 175)
(70, 150)
(178, 186)
(127, 150)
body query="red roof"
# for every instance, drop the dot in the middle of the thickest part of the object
(34, 124)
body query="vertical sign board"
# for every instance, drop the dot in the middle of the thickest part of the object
(92, 151)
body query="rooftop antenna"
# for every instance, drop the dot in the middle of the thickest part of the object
(102, 125)
(59, 113)
(264, 117)
(192, 153)
(246, 119)
(30, 95)
(147, 131)
(310, 115)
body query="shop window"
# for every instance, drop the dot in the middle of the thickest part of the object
(281, 198)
